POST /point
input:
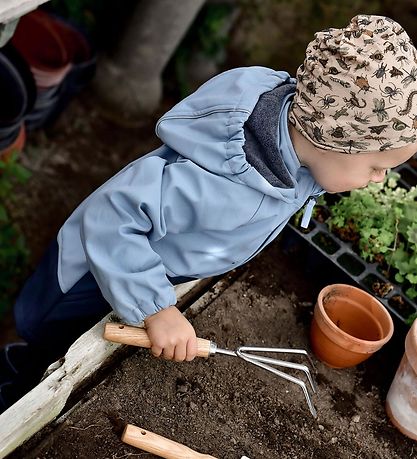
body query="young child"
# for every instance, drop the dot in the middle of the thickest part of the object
(239, 157)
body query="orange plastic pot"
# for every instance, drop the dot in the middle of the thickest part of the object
(401, 403)
(349, 325)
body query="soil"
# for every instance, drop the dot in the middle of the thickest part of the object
(227, 407)
(382, 289)
(348, 233)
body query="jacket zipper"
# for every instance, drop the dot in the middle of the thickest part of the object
(308, 211)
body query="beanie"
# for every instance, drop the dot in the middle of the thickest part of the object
(356, 87)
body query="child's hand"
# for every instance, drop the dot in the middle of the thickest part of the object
(171, 335)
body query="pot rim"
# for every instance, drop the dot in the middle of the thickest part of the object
(16, 145)
(34, 23)
(325, 319)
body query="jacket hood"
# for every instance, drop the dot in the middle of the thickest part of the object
(207, 127)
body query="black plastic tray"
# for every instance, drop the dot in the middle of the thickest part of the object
(362, 273)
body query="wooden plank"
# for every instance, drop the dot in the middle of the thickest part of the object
(13, 9)
(44, 403)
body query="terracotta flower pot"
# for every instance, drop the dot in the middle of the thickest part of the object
(83, 65)
(401, 403)
(9, 133)
(348, 326)
(16, 146)
(61, 61)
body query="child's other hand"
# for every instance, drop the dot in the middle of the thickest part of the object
(171, 335)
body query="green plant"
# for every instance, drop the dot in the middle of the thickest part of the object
(411, 319)
(382, 221)
(13, 250)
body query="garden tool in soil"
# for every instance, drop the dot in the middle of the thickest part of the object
(135, 336)
(160, 446)
(152, 442)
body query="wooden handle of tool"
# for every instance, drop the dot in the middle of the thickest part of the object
(161, 446)
(135, 336)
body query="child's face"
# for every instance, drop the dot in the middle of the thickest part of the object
(338, 172)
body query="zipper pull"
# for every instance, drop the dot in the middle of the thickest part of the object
(308, 212)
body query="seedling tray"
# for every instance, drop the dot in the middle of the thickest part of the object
(366, 275)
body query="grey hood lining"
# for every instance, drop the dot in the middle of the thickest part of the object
(261, 137)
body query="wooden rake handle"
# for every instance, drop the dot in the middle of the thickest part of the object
(134, 336)
(158, 445)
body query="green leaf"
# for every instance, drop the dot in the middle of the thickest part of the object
(411, 318)
(21, 173)
(412, 278)
(399, 278)
(412, 233)
(411, 293)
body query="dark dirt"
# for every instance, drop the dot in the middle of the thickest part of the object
(228, 408)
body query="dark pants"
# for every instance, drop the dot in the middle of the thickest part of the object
(50, 320)
(45, 316)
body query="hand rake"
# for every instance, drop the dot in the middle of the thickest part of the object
(135, 336)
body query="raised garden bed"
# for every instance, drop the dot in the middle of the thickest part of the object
(228, 408)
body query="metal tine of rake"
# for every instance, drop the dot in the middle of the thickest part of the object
(243, 353)
(281, 363)
(259, 361)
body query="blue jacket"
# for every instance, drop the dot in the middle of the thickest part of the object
(196, 206)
